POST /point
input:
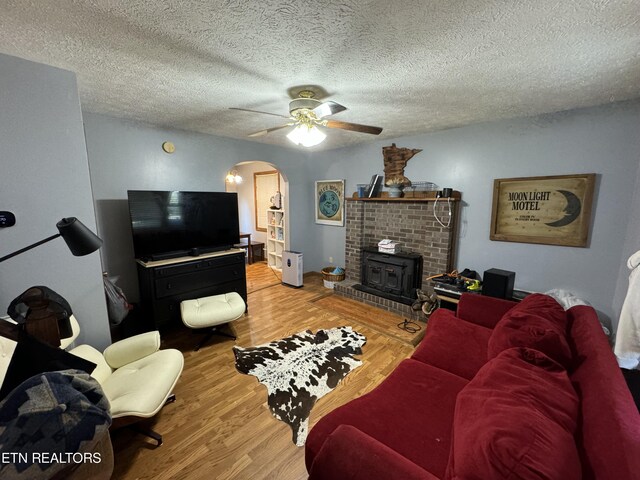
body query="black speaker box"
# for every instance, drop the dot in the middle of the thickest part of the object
(498, 283)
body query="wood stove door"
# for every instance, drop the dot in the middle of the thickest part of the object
(394, 275)
(374, 275)
(385, 277)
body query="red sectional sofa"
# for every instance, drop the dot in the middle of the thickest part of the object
(496, 390)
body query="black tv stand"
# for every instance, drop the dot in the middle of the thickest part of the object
(166, 283)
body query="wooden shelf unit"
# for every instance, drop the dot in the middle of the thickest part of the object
(276, 235)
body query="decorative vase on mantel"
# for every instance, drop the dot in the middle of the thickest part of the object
(396, 185)
(395, 191)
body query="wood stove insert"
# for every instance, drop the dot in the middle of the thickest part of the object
(393, 276)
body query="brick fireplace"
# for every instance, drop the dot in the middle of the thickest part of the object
(411, 222)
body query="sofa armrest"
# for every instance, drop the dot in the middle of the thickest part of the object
(131, 349)
(350, 454)
(482, 310)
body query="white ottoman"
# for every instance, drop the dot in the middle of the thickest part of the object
(210, 312)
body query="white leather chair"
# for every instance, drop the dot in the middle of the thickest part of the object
(136, 376)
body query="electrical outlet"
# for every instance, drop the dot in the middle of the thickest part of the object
(330, 259)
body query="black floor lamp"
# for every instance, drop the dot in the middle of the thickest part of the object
(41, 323)
(80, 240)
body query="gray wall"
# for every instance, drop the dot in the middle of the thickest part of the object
(48, 177)
(45, 178)
(126, 155)
(601, 140)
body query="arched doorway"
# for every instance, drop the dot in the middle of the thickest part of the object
(261, 181)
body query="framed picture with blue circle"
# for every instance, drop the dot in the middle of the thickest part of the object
(329, 202)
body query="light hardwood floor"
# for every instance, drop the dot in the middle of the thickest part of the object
(220, 426)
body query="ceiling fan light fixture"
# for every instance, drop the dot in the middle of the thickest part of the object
(307, 136)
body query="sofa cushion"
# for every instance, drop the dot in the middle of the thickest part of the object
(455, 345)
(411, 412)
(542, 305)
(516, 419)
(482, 310)
(538, 322)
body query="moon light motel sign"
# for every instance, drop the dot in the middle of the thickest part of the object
(554, 210)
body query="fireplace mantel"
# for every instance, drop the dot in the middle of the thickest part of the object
(419, 197)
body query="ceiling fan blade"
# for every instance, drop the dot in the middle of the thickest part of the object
(257, 111)
(261, 133)
(328, 108)
(355, 127)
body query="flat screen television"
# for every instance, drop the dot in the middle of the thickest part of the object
(176, 223)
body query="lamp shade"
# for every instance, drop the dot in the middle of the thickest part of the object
(80, 240)
(305, 135)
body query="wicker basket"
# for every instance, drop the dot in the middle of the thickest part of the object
(331, 277)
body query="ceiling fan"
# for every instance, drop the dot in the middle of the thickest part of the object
(307, 113)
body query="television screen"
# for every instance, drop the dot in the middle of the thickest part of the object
(175, 223)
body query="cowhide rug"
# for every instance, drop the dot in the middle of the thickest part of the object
(300, 369)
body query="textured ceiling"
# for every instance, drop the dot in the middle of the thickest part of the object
(407, 66)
